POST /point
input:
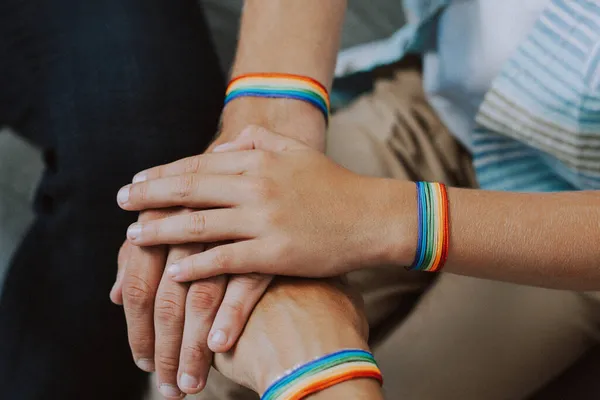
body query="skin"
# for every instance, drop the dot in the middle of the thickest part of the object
(294, 204)
(297, 321)
(275, 37)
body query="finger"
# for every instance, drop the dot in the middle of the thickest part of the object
(140, 281)
(242, 294)
(257, 137)
(221, 164)
(199, 226)
(169, 315)
(190, 190)
(202, 303)
(116, 293)
(236, 258)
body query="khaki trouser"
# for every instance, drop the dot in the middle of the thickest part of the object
(453, 337)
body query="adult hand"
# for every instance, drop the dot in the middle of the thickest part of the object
(169, 324)
(288, 209)
(295, 322)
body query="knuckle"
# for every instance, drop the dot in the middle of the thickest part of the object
(184, 186)
(168, 309)
(252, 282)
(204, 297)
(137, 293)
(221, 260)
(194, 352)
(193, 164)
(197, 223)
(158, 172)
(167, 363)
(234, 309)
(152, 230)
(140, 192)
(141, 344)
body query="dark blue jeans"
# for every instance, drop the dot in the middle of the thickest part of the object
(106, 88)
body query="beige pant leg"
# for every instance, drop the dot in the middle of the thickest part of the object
(472, 339)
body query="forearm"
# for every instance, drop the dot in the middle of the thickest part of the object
(542, 239)
(297, 37)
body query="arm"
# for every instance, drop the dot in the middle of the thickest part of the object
(542, 239)
(324, 220)
(297, 37)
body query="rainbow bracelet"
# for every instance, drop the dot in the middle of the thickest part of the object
(323, 373)
(280, 86)
(434, 231)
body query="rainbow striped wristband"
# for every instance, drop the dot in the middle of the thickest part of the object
(434, 231)
(323, 373)
(280, 86)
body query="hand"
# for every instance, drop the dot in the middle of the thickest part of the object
(155, 309)
(169, 323)
(289, 209)
(295, 322)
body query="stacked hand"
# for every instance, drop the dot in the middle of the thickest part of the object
(170, 324)
(287, 209)
(273, 206)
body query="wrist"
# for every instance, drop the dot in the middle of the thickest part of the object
(298, 353)
(397, 219)
(292, 118)
(292, 302)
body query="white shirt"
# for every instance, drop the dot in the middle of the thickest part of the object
(475, 38)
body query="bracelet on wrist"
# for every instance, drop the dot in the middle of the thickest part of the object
(322, 373)
(434, 231)
(280, 86)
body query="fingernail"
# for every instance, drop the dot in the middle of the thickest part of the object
(134, 231)
(123, 195)
(189, 382)
(169, 390)
(174, 270)
(218, 338)
(145, 364)
(140, 177)
(223, 147)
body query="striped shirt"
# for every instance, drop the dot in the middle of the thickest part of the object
(538, 126)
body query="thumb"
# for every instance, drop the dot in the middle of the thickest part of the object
(257, 137)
